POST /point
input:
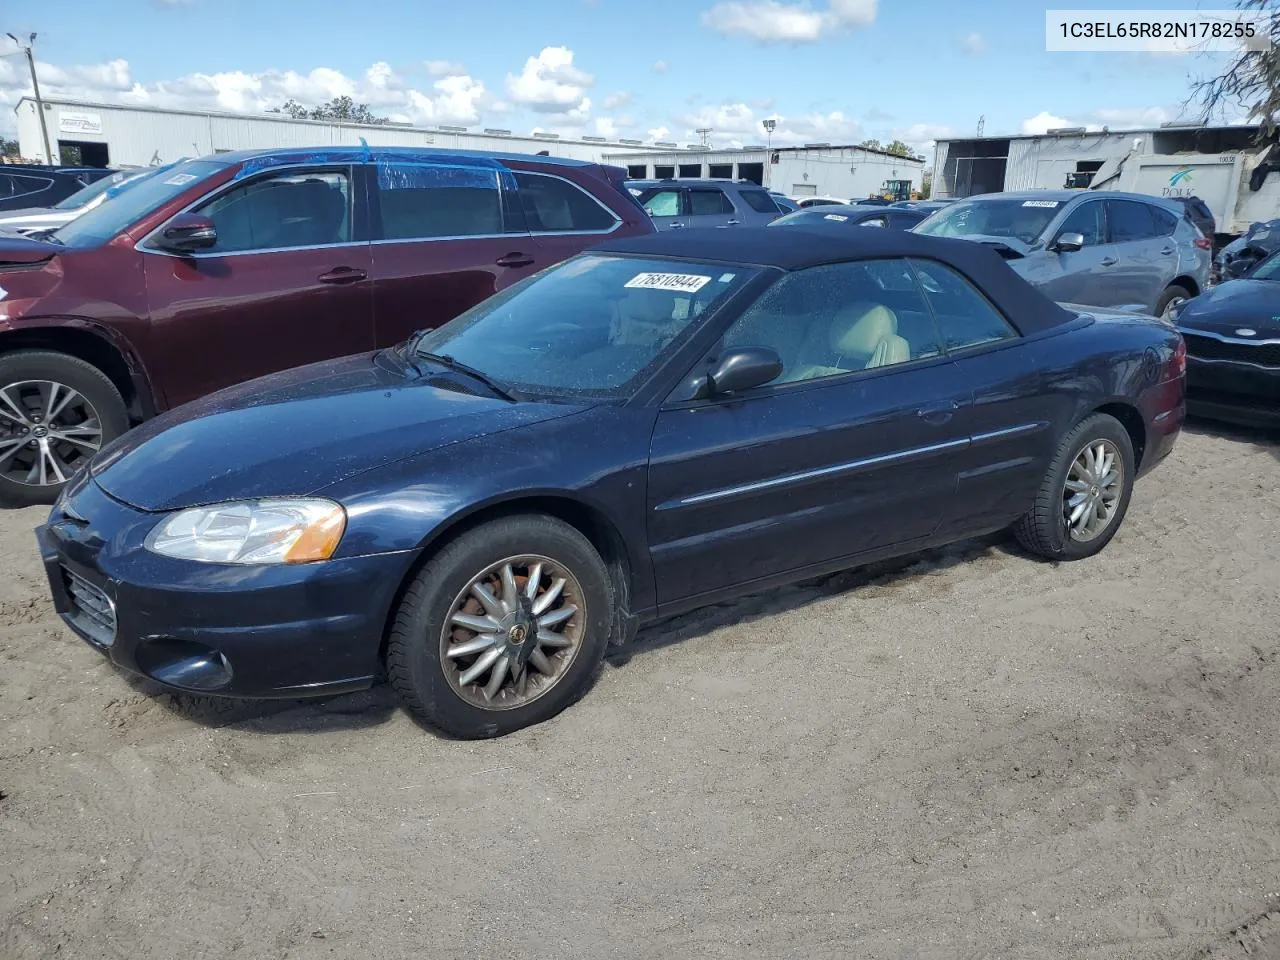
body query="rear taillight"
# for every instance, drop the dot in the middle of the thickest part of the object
(1203, 243)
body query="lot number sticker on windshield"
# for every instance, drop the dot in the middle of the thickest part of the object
(179, 179)
(835, 216)
(683, 282)
(1040, 203)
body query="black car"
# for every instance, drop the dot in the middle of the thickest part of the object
(852, 215)
(32, 185)
(655, 425)
(1232, 334)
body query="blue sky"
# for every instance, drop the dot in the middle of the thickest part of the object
(843, 69)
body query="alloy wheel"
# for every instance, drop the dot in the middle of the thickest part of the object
(1092, 490)
(48, 431)
(513, 632)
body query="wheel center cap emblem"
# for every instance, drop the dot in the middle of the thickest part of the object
(1094, 491)
(517, 634)
(39, 432)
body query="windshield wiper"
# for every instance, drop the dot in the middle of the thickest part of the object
(447, 361)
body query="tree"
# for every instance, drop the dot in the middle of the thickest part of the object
(899, 149)
(926, 185)
(1252, 80)
(9, 148)
(871, 145)
(341, 109)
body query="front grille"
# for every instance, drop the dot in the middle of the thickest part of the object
(91, 610)
(1211, 348)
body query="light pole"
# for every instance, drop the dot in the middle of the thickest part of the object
(769, 126)
(35, 87)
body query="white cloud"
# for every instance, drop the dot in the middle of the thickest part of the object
(616, 101)
(736, 124)
(550, 83)
(445, 68)
(659, 133)
(921, 137)
(1044, 121)
(660, 66)
(776, 21)
(973, 43)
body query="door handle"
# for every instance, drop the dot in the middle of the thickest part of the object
(938, 413)
(733, 223)
(675, 226)
(1109, 261)
(514, 260)
(1167, 250)
(343, 275)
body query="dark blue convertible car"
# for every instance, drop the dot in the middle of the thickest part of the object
(654, 425)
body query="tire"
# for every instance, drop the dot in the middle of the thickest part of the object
(1043, 530)
(1174, 293)
(430, 683)
(21, 373)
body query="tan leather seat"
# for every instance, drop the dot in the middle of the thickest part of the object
(862, 336)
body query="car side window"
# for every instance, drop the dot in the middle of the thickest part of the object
(964, 316)
(1165, 221)
(663, 203)
(1130, 221)
(553, 205)
(706, 203)
(291, 208)
(874, 222)
(839, 318)
(759, 201)
(427, 201)
(1086, 220)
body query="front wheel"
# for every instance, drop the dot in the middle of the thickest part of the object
(56, 412)
(1085, 493)
(502, 629)
(1172, 298)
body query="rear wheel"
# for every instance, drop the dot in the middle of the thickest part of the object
(1173, 297)
(56, 412)
(1085, 494)
(502, 629)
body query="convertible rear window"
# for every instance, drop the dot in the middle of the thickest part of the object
(591, 326)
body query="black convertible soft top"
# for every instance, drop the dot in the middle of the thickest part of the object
(797, 247)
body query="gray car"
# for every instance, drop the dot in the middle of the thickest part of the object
(676, 204)
(1102, 249)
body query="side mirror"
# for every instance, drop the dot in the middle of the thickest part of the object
(188, 232)
(743, 368)
(1069, 243)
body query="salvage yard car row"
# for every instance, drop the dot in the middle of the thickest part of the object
(502, 420)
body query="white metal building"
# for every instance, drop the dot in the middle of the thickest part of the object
(113, 135)
(818, 169)
(1224, 166)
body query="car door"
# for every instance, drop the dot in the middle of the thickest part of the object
(562, 218)
(285, 284)
(1074, 276)
(1018, 401)
(833, 459)
(667, 207)
(443, 241)
(711, 207)
(1142, 270)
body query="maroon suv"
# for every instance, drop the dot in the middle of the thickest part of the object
(230, 267)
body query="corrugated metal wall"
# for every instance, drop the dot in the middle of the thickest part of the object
(145, 137)
(1020, 168)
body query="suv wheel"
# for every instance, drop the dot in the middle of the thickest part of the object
(56, 412)
(1173, 296)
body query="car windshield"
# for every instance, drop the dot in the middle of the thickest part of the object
(1268, 269)
(109, 219)
(1021, 218)
(592, 326)
(94, 190)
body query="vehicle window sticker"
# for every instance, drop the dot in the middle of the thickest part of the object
(684, 282)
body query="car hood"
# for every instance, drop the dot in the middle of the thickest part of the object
(1237, 303)
(1011, 248)
(292, 433)
(15, 249)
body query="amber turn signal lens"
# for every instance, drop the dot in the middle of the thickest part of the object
(320, 539)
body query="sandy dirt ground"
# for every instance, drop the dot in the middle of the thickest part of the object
(968, 754)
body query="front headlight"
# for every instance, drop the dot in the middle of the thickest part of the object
(252, 531)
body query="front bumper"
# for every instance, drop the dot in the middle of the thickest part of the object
(1227, 390)
(268, 631)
